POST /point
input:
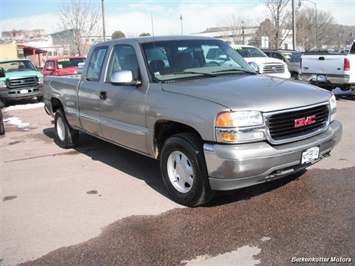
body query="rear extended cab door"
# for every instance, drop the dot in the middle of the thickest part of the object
(89, 90)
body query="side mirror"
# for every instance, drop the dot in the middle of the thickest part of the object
(124, 77)
(2, 72)
(254, 66)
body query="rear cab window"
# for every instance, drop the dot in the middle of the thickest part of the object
(96, 63)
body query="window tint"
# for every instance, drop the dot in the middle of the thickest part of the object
(95, 63)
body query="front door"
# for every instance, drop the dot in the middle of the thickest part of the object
(122, 108)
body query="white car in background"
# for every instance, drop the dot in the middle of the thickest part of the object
(262, 63)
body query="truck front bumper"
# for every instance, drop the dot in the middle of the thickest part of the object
(236, 166)
(21, 93)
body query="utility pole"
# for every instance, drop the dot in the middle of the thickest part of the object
(294, 43)
(103, 19)
(243, 32)
(182, 32)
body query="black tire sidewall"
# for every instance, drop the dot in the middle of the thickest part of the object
(70, 138)
(2, 126)
(197, 194)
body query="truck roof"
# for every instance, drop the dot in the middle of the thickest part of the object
(145, 39)
(15, 59)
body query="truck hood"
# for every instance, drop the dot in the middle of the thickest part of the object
(250, 92)
(22, 74)
(263, 60)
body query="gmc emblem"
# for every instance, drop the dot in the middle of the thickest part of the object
(304, 121)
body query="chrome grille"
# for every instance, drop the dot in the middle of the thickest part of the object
(273, 68)
(15, 83)
(282, 126)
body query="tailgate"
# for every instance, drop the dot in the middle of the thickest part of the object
(323, 64)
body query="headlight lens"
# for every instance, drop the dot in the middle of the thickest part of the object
(40, 80)
(333, 108)
(2, 84)
(239, 119)
(240, 127)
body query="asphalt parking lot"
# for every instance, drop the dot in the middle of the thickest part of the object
(100, 204)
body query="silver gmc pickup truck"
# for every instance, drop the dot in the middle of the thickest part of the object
(214, 124)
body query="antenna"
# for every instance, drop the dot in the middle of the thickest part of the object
(151, 18)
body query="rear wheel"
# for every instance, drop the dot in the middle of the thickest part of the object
(183, 170)
(65, 136)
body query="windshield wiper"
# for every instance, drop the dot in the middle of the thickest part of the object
(234, 70)
(195, 72)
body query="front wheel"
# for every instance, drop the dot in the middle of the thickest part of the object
(183, 170)
(65, 136)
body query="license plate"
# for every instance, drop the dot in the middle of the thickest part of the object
(310, 155)
(23, 91)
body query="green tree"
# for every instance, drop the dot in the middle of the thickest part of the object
(144, 34)
(118, 35)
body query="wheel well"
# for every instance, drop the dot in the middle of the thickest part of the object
(56, 104)
(165, 129)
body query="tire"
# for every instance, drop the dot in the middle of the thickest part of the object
(40, 99)
(65, 136)
(183, 169)
(2, 126)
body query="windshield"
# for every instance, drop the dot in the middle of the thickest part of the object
(70, 62)
(249, 51)
(169, 60)
(293, 57)
(17, 65)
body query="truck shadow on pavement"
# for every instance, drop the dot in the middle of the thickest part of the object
(148, 170)
(345, 95)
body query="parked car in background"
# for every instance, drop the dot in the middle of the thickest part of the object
(262, 63)
(290, 57)
(329, 70)
(19, 80)
(59, 66)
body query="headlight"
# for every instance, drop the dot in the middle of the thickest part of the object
(333, 108)
(238, 127)
(40, 80)
(2, 84)
(239, 119)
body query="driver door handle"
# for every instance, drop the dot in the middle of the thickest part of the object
(103, 95)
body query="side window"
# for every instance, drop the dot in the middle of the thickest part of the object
(123, 58)
(96, 63)
(352, 51)
(278, 56)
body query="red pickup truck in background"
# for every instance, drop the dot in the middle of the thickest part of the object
(65, 65)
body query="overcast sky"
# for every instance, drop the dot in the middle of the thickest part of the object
(135, 17)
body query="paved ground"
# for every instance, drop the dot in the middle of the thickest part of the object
(93, 205)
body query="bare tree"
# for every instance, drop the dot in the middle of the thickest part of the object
(231, 27)
(81, 19)
(279, 15)
(327, 31)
